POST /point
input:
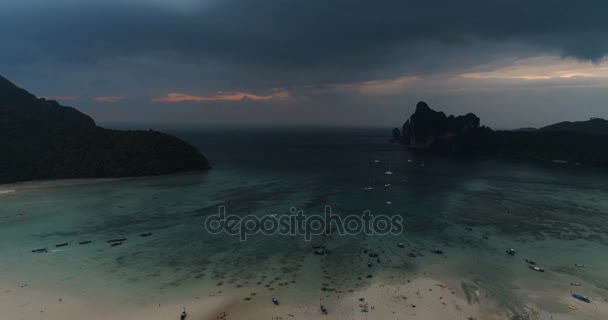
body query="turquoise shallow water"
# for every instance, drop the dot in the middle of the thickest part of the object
(553, 214)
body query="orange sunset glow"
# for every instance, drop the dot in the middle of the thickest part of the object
(220, 96)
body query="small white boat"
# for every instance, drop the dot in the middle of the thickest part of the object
(389, 202)
(376, 161)
(388, 185)
(409, 160)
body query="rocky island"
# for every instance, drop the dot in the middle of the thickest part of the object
(427, 130)
(41, 139)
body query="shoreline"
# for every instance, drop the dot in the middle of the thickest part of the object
(422, 298)
(18, 187)
(407, 296)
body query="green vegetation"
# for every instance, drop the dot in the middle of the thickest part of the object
(576, 142)
(41, 139)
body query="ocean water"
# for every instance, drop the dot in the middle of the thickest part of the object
(553, 214)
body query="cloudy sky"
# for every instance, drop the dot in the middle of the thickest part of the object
(514, 63)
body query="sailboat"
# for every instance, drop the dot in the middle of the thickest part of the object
(369, 185)
(389, 172)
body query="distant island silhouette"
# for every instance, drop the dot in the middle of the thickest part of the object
(581, 142)
(41, 139)
(591, 126)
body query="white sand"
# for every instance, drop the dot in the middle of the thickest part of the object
(6, 191)
(422, 298)
(39, 184)
(24, 303)
(384, 301)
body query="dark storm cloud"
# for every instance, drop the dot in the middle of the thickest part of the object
(338, 61)
(296, 34)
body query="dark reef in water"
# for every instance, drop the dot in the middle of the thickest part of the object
(427, 130)
(41, 139)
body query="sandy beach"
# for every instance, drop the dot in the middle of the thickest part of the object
(43, 184)
(418, 298)
(422, 298)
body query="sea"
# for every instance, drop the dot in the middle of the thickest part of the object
(472, 209)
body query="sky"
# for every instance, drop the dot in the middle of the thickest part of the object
(514, 63)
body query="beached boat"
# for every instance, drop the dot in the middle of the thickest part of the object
(85, 242)
(530, 261)
(581, 298)
(400, 245)
(275, 301)
(511, 251)
(535, 268)
(145, 234)
(183, 315)
(580, 265)
(42, 250)
(323, 309)
(436, 251)
(61, 245)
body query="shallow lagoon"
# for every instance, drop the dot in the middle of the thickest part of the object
(550, 213)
